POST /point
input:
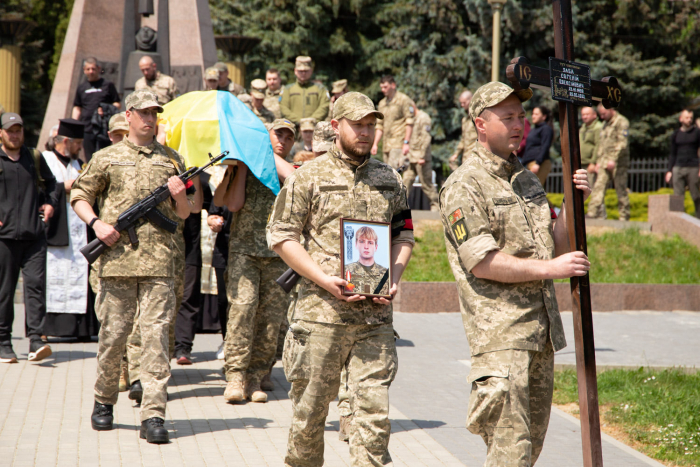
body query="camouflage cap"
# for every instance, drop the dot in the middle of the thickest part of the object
(118, 122)
(308, 123)
(257, 88)
(283, 124)
(142, 99)
(494, 93)
(324, 136)
(303, 63)
(211, 73)
(221, 66)
(354, 106)
(339, 86)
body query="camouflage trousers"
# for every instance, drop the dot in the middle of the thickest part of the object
(257, 306)
(314, 356)
(596, 203)
(425, 176)
(510, 404)
(116, 306)
(134, 341)
(395, 158)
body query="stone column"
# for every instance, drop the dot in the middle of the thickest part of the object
(11, 31)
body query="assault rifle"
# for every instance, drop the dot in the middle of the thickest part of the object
(146, 209)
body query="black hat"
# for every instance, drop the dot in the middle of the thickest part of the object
(71, 128)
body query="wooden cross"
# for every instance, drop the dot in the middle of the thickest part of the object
(571, 85)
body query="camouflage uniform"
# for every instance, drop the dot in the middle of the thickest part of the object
(420, 149)
(327, 334)
(133, 277)
(398, 111)
(234, 88)
(256, 303)
(612, 146)
(366, 279)
(163, 85)
(133, 342)
(466, 141)
(264, 114)
(492, 204)
(589, 136)
(272, 102)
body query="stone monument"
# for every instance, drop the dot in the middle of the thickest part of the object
(177, 34)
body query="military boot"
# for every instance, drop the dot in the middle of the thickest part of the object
(266, 384)
(136, 391)
(102, 417)
(153, 431)
(344, 432)
(234, 388)
(252, 389)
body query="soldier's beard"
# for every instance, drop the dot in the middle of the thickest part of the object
(356, 152)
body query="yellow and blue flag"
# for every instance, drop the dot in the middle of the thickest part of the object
(202, 122)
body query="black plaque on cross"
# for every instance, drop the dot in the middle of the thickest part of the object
(570, 82)
(523, 75)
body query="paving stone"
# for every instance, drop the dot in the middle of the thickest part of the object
(45, 408)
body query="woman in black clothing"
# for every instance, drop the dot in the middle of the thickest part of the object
(536, 155)
(683, 162)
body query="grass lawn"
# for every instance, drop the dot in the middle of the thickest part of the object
(639, 203)
(656, 412)
(620, 256)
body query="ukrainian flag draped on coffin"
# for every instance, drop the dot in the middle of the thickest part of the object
(202, 122)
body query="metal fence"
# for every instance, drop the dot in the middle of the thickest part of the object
(644, 175)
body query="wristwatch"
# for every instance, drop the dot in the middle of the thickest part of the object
(405, 141)
(92, 222)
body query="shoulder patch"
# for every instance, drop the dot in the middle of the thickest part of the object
(624, 133)
(411, 109)
(455, 216)
(459, 229)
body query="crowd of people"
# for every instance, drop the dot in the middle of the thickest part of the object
(234, 238)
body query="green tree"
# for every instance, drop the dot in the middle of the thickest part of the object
(41, 50)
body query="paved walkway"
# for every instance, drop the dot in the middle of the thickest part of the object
(45, 409)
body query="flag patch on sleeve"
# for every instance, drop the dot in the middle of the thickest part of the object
(455, 216)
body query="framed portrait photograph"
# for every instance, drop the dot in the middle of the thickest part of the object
(365, 257)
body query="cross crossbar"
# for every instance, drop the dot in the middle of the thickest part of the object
(522, 75)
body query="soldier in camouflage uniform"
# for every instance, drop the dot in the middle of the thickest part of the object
(329, 330)
(257, 303)
(612, 161)
(257, 93)
(273, 93)
(420, 158)
(225, 84)
(504, 253)
(468, 138)
(304, 98)
(163, 85)
(589, 136)
(397, 124)
(133, 277)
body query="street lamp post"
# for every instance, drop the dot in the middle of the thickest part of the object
(497, 6)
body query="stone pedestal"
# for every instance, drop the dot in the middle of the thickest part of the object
(667, 215)
(106, 30)
(10, 69)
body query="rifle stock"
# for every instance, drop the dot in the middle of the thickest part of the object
(288, 279)
(93, 250)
